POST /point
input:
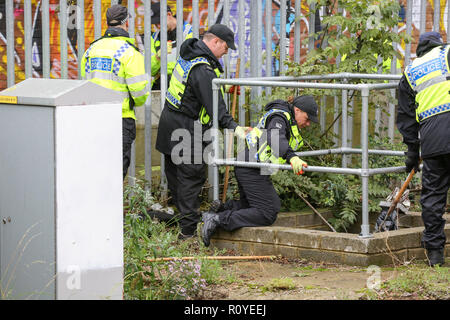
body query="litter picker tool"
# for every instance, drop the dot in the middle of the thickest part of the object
(384, 221)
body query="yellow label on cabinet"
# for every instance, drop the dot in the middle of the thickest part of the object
(8, 99)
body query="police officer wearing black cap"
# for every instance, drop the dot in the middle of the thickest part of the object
(189, 105)
(424, 121)
(114, 61)
(275, 139)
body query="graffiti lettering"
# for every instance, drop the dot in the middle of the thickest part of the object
(74, 25)
(73, 18)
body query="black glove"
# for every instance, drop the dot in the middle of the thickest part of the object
(412, 160)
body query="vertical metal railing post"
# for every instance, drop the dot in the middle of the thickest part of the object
(97, 19)
(226, 21)
(10, 66)
(336, 98)
(211, 169)
(210, 13)
(324, 42)
(282, 35)
(180, 22)
(45, 39)
(344, 122)
(350, 109)
(253, 55)
(215, 143)
(148, 103)
(448, 21)
(226, 13)
(297, 34)
(28, 43)
(378, 107)
(163, 77)
(80, 33)
(259, 32)
(241, 48)
(268, 35)
(132, 169)
(391, 120)
(336, 123)
(323, 113)
(131, 21)
(63, 37)
(409, 5)
(437, 15)
(423, 16)
(195, 19)
(312, 25)
(365, 227)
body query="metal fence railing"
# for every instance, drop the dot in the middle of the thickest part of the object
(301, 82)
(287, 21)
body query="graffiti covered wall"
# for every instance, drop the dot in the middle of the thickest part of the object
(19, 50)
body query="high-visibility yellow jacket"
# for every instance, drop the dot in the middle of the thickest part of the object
(171, 56)
(256, 141)
(178, 84)
(114, 62)
(428, 76)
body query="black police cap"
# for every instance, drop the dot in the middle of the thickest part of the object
(117, 15)
(307, 104)
(223, 32)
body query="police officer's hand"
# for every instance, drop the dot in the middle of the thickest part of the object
(241, 132)
(412, 161)
(297, 165)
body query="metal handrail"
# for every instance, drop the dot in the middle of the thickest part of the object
(364, 172)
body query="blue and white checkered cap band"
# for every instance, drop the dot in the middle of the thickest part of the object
(433, 111)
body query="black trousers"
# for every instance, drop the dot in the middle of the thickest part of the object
(128, 136)
(435, 186)
(258, 205)
(185, 183)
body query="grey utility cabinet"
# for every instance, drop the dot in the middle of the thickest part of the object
(61, 209)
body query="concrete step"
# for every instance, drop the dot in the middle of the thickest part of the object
(414, 219)
(345, 248)
(303, 219)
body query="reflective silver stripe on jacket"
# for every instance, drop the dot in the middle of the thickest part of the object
(137, 94)
(430, 83)
(137, 79)
(104, 76)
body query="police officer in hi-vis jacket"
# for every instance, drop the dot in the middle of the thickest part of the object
(113, 61)
(275, 139)
(424, 121)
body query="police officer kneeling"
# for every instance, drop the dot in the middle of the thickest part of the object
(188, 107)
(424, 121)
(275, 139)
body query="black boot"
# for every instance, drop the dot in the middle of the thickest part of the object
(210, 223)
(435, 257)
(216, 206)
